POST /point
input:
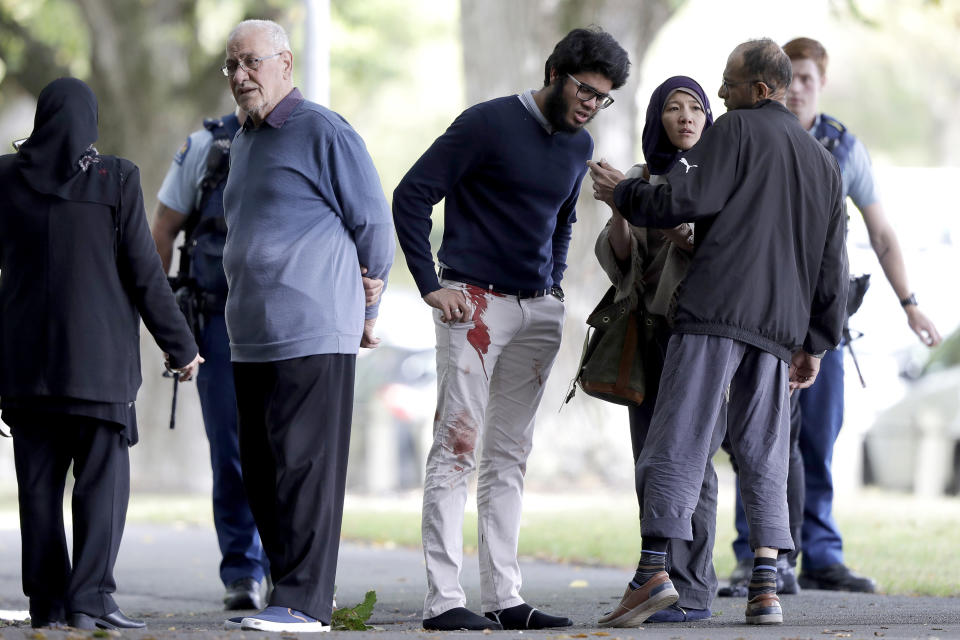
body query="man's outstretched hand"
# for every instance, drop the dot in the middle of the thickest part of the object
(605, 179)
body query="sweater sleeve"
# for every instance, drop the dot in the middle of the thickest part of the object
(363, 206)
(697, 188)
(564, 231)
(428, 182)
(144, 279)
(828, 308)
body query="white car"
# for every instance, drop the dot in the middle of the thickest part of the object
(915, 444)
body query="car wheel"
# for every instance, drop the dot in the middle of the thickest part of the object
(953, 487)
(867, 475)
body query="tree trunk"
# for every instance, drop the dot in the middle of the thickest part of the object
(150, 72)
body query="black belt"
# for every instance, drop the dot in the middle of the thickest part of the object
(450, 274)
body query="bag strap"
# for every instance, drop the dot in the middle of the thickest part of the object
(572, 389)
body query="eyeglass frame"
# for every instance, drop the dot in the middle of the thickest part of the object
(246, 67)
(604, 100)
(726, 84)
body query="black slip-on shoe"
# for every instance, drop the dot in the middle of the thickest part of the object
(786, 577)
(242, 594)
(836, 577)
(114, 620)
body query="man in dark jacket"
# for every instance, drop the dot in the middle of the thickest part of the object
(763, 300)
(77, 270)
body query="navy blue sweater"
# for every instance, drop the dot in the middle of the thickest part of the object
(511, 191)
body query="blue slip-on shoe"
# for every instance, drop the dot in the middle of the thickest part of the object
(676, 613)
(235, 622)
(283, 619)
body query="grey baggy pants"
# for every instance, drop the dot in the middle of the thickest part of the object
(682, 437)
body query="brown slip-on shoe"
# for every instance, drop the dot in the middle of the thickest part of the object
(637, 605)
(764, 609)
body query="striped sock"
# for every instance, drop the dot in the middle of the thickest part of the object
(651, 563)
(764, 577)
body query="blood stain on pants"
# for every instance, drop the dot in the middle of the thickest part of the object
(461, 434)
(479, 336)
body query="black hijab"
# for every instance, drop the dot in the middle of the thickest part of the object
(658, 151)
(58, 158)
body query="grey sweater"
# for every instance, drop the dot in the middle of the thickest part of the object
(304, 209)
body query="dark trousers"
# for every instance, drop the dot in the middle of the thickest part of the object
(240, 548)
(690, 563)
(821, 410)
(795, 491)
(294, 418)
(816, 415)
(44, 446)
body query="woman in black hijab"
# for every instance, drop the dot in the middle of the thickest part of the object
(77, 270)
(650, 264)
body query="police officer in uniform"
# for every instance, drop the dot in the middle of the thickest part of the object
(191, 199)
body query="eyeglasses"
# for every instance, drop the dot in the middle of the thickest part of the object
(726, 84)
(586, 93)
(248, 64)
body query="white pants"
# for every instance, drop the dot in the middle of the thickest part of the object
(491, 372)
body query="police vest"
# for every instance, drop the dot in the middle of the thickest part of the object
(831, 133)
(206, 230)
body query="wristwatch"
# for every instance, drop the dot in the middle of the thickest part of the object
(910, 299)
(557, 292)
(819, 356)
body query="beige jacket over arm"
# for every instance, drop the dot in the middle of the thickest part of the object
(656, 266)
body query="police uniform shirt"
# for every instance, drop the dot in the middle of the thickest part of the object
(856, 172)
(180, 186)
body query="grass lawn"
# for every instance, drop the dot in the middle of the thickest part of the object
(602, 529)
(877, 527)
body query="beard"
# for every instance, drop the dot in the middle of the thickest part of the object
(557, 108)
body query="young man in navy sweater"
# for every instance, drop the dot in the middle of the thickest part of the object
(510, 170)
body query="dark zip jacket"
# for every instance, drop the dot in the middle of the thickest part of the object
(770, 265)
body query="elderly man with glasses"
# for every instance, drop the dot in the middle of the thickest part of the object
(510, 170)
(303, 204)
(763, 300)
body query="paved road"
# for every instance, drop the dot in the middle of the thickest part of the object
(168, 576)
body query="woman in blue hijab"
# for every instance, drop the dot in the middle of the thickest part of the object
(649, 264)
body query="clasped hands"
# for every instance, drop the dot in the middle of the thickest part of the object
(803, 370)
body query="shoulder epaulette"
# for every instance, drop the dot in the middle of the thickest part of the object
(833, 123)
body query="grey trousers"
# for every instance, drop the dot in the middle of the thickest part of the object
(683, 437)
